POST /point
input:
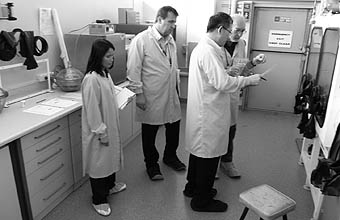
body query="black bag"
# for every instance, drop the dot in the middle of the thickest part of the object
(8, 45)
(304, 92)
(309, 128)
(326, 175)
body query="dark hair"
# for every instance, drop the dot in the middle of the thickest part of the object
(163, 12)
(219, 19)
(98, 51)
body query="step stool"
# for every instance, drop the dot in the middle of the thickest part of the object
(266, 202)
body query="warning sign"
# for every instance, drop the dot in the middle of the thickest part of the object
(279, 38)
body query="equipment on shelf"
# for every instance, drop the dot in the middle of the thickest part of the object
(8, 12)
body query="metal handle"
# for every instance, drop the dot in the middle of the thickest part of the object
(48, 197)
(47, 132)
(48, 145)
(43, 161)
(53, 172)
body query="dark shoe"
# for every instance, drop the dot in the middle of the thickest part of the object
(213, 206)
(175, 164)
(154, 173)
(190, 193)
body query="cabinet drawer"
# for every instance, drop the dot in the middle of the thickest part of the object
(74, 117)
(46, 157)
(50, 193)
(41, 133)
(48, 143)
(75, 133)
(48, 173)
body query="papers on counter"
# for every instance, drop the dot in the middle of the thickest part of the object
(51, 106)
(61, 103)
(43, 110)
(124, 96)
(72, 95)
(55, 105)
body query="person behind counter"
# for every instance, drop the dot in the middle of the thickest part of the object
(102, 149)
(152, 69)
(208, 113)
(235, 50)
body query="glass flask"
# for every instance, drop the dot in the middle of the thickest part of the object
(69, 79)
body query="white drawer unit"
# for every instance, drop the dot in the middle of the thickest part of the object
(48, 195)
(45, 145)
(43, 132)
(45, 157)
(48, 173)
(48, 164)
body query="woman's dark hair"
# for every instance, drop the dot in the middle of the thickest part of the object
(163, 12)
(219, 19)
(98, 51)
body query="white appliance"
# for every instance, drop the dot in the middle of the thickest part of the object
(328, 77)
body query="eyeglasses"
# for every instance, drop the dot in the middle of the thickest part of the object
(240, 31)
(229, 31)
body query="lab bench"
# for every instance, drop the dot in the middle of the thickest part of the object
(41, 156)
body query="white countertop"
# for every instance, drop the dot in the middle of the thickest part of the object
(15, 123)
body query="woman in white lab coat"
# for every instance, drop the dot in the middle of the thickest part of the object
(102, 149)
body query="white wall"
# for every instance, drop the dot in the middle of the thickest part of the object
(148, 10)
(191, 22)
(73, 14)
(198, 18)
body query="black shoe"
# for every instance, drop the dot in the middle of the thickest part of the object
(175, 164)
(154, 173)
(190, 193)
(213, 206)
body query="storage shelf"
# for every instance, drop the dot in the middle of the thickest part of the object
(310, 162)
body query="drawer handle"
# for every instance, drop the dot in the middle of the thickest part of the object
(48, 197)
(53, 172)
(43, 161)
(47, 132)
(48, 145)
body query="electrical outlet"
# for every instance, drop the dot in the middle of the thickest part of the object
(41, 77)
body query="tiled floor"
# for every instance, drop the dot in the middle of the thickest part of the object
(265, 152)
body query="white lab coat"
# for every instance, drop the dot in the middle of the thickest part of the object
(100, 117)
(239, 52)
(208, 105)
(157, 76)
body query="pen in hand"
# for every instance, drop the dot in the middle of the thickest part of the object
(263, 78)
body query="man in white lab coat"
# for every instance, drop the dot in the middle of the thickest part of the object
(152, 68)
(235, 50)
(208, 113)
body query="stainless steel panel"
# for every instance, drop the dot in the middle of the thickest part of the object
(281, 19)
(79, 48)
(278, 92)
